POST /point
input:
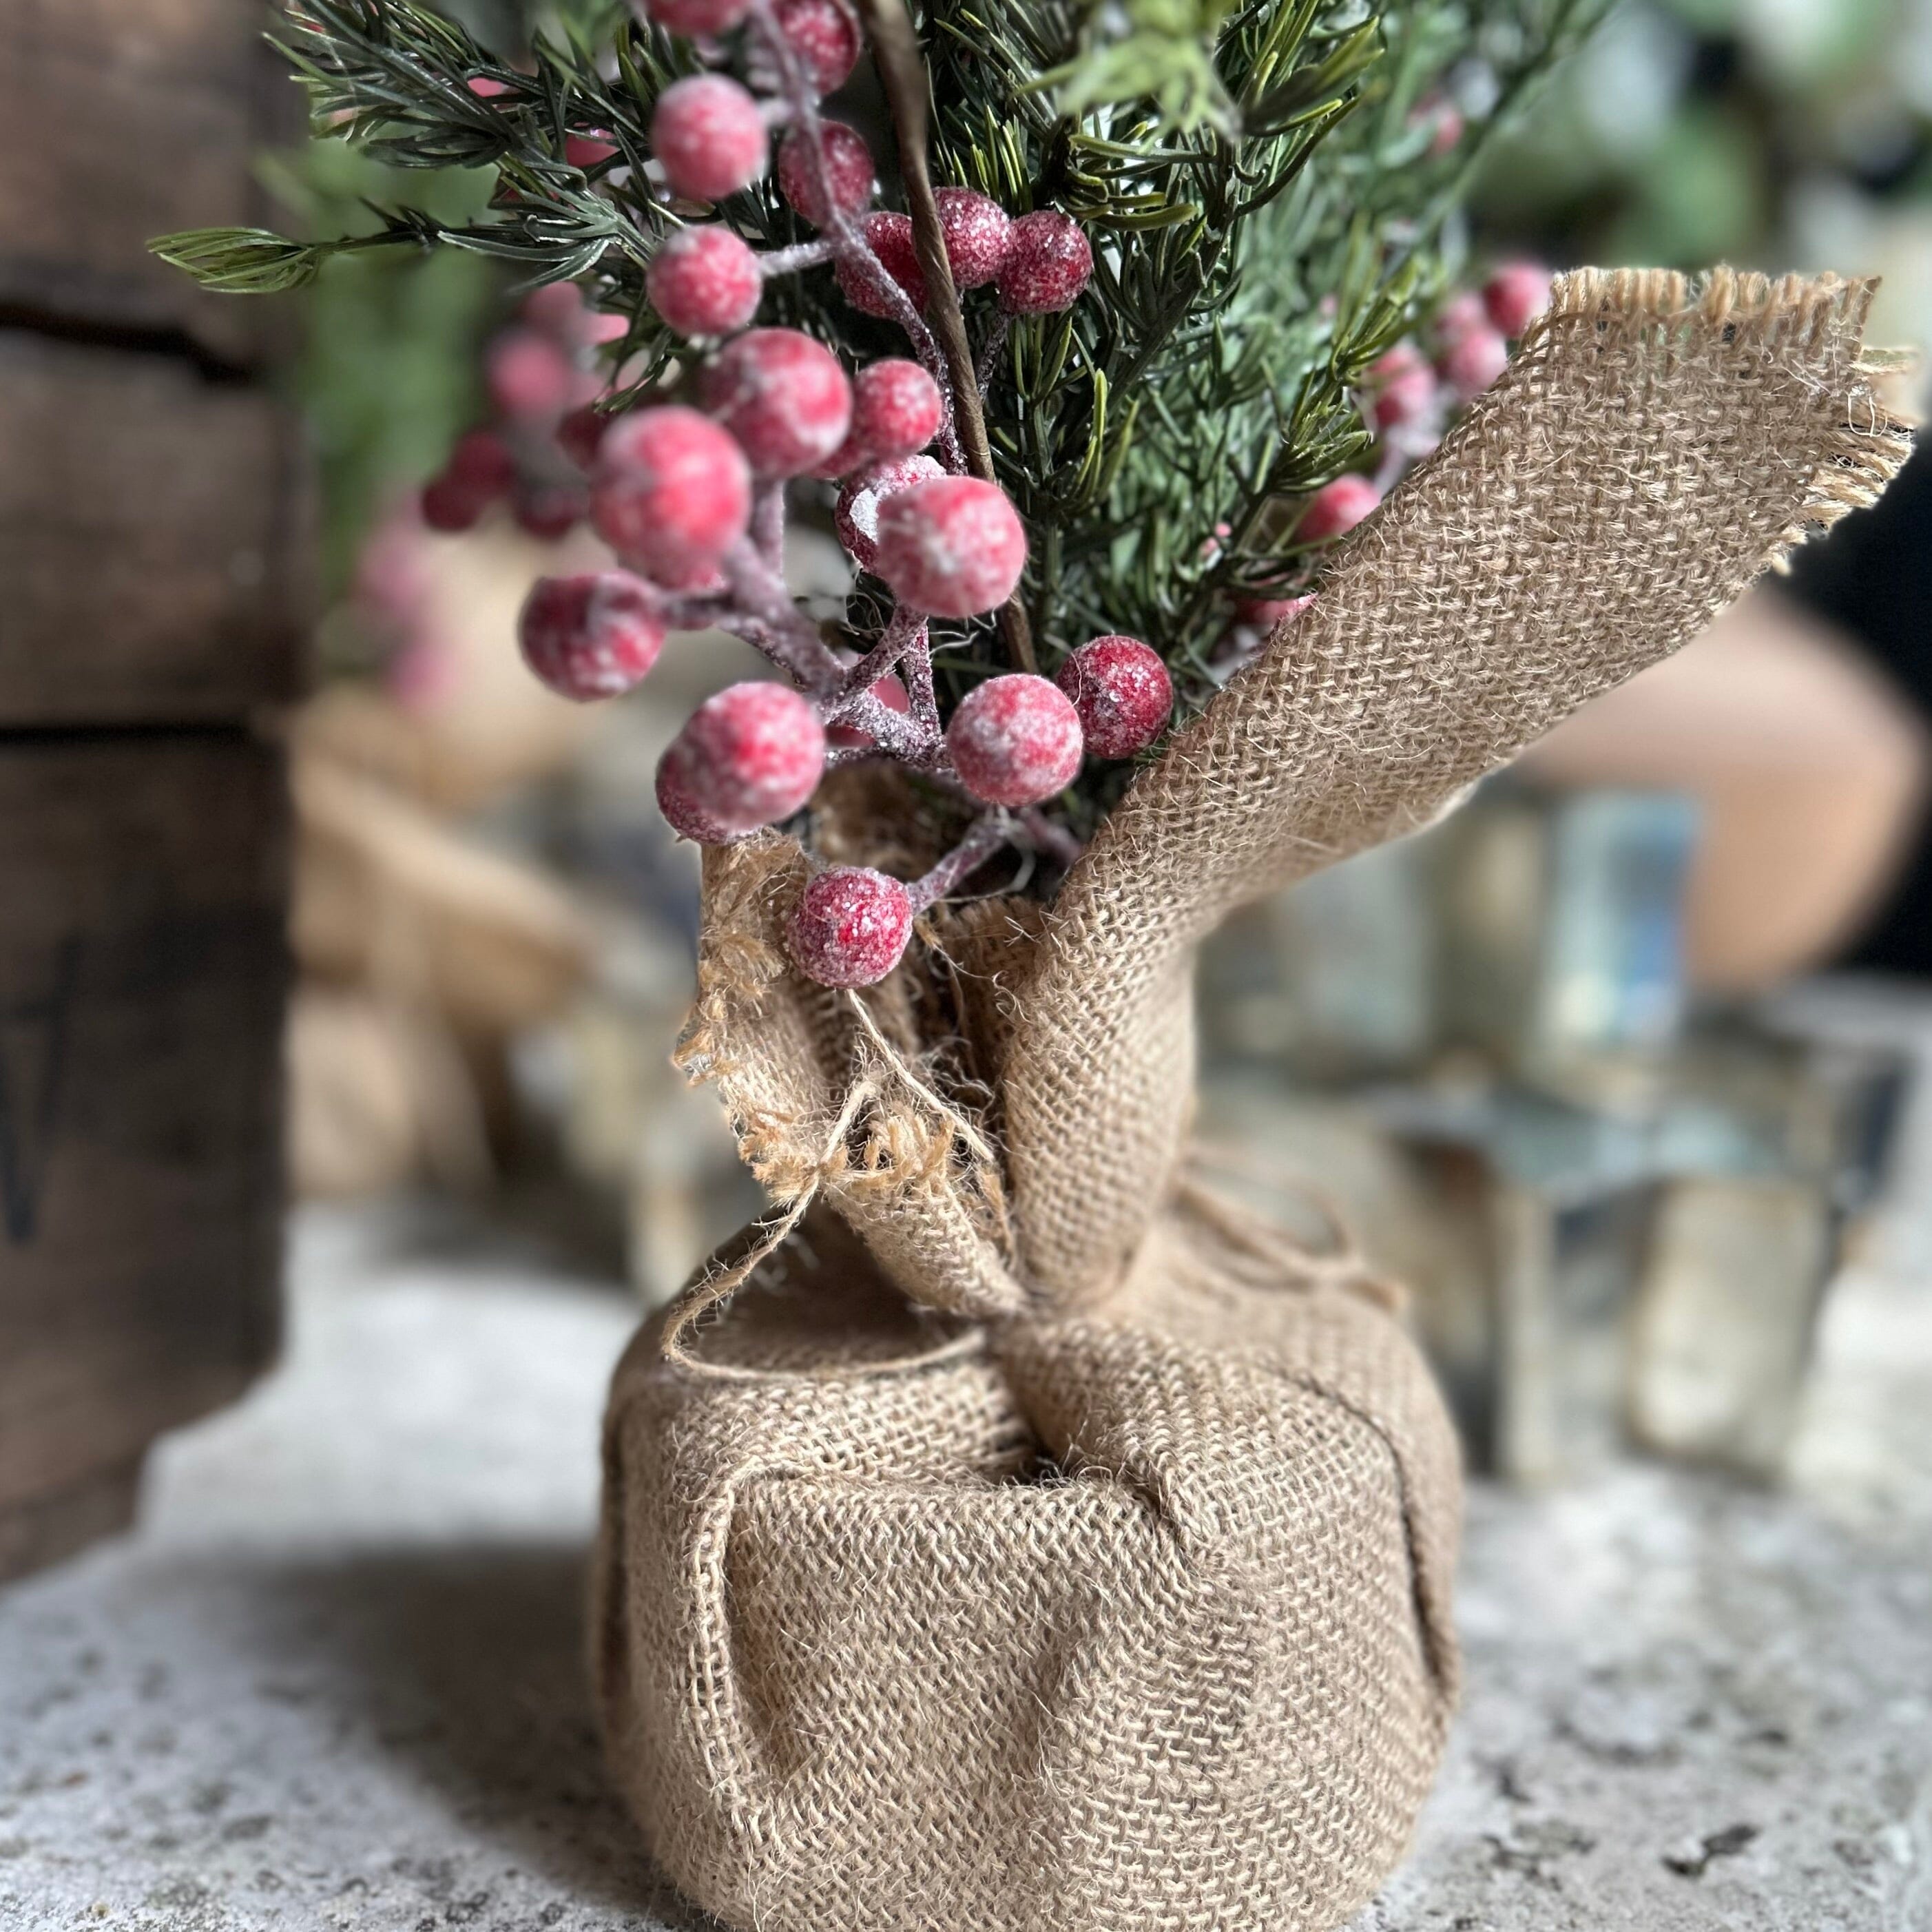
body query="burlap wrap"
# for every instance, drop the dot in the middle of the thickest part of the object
(1040, 1544)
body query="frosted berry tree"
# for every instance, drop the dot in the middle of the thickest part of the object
(1168, 305)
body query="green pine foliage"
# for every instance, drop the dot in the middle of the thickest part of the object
(388, 373)
(1268, 208)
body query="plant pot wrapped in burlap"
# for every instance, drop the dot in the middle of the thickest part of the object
(1037, 1541)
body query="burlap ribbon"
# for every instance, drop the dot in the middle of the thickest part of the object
(1655, 445)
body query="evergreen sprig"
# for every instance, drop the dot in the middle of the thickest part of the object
(1268, 212)
(1249, 269)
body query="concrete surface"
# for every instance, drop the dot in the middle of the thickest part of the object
(334, 1681)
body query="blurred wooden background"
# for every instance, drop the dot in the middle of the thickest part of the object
(151, 621)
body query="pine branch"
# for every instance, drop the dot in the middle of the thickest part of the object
(1257, 179)
(902, 72)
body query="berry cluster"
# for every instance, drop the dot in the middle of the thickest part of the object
(1407, 401)
(691, 495)
(544, 377)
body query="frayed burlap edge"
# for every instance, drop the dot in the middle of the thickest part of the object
(1655, 444)
(830, 1097)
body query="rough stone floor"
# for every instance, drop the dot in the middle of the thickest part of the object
(334, 1681)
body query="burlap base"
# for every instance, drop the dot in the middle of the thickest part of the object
(1074, 1554)
(1135, 1617)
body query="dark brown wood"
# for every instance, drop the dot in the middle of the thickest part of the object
(151, 605)
(121, 120)
(142, 978)
(148, 538)
(46, 1528)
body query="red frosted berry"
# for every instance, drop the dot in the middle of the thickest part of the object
(580, 434)
(784, 397)
(892, 694)
(1473, 361)
(824, 34)
(848, 170)
(684, 815)
(697, 17)
(1444, 120)
(586, 151)
(1460, 314)
(891, 238)
(1263, 613)
(955, 547)
(1405, 398)
(856, 515)
(590, 636)
(749, 757)
(484, 89)
(1122, 693)
(482, 460)
(1048, 263)
(1516, 295)
(549, 511)
(708, 137)
(1402, 360)
(704, 281)
(979, 233)
(850, 927)
(1014, 740)
(556, 309)
(896, 410)
(1336, 507)
(480, 470)
(529, 375)
(671, 493)
(449, 505)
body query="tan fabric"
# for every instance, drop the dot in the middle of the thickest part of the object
(1133, 1617)
(1073, 1555)
(1652, 448)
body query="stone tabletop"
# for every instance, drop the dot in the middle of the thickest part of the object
(334, 1680)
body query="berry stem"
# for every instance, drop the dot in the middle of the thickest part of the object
(902, 73)
(989, 352)
(768, 522)
(776, 262)
(700, 611)
(990, 834)
(894, 736)
(1055, 841)
(916, 674)
(907, 628)
(792, 641)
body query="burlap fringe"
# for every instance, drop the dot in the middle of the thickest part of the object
(1820, 318)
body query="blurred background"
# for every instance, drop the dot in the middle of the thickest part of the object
(309, 894)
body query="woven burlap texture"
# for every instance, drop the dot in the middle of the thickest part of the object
(1073, 1555)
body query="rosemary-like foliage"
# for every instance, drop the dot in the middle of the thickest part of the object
(1269, 208)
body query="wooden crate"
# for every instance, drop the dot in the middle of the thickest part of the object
(142, 950)
(149, 531)
(150, 615)
(124, 119)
